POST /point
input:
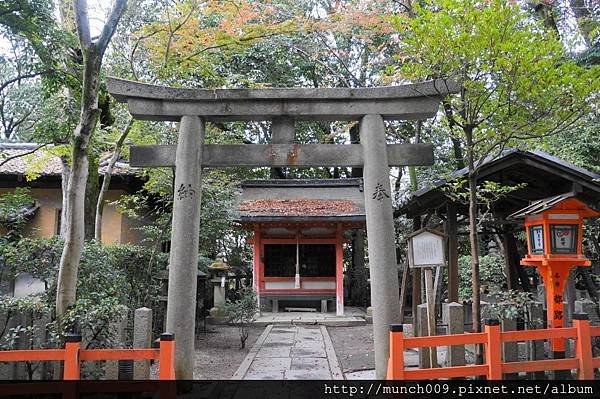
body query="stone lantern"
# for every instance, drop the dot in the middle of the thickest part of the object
(219, 271)
(554, 230)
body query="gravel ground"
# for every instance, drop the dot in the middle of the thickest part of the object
(353, 347)
(218, 352)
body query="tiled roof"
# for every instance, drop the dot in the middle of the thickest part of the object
(298, 207)
(45, 164)
(545, 204)
(21, 164)
(301, 200)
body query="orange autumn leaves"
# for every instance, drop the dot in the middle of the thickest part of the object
(189, 32)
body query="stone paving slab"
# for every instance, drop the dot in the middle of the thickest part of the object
(361, 375)
(310, 363)
(352, 317)
(306, 375)
(274, 352)
(309, 352)
(411, 361)
(291, 353)
(273, 363)
(264, 375)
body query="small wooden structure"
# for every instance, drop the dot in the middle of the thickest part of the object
(298, 240)
(554, 229)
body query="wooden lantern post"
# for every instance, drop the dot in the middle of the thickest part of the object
(554, 228)
(426, 249)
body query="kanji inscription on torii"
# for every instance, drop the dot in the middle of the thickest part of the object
(194, 107)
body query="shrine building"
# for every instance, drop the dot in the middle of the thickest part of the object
(298, 239)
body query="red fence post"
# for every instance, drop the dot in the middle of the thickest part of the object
(493, 349)
(583, 350)
(71, 363)
(396, 360)
(167, 357)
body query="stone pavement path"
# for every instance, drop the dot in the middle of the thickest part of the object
(291, 353)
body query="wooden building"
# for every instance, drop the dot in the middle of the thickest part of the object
(298, 239)
(539, 175)
(46, 189)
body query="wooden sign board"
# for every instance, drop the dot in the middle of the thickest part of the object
(426, 248)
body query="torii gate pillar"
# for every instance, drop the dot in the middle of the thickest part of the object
(183, 262)
(380, 236)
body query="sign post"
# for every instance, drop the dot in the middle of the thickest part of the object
(426, 250)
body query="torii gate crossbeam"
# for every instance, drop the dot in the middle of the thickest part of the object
(194, 107)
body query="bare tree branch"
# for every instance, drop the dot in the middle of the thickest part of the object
(7, 160)
(111, 25)
(22, 77)
(107, 177)
(82, 22)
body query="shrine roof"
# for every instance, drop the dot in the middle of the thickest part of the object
(546, 204)
(301, 200)
(540, 174)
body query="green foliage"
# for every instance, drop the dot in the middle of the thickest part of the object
(19, 101)
(126, 273)
(509, 304)
(110, 278)
(36, 256)
(242, 311)
(34, 20)
(517, 82)
(578, 145)
(488, 192)
(491, 270)
(23, 335)
(12, 218)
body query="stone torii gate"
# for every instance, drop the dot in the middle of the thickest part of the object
(194, 107)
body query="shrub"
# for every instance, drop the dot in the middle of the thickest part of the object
(242, 311)
(12, 217)
(491, 270)
(110, 278)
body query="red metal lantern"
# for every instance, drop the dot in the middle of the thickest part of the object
(554, 229)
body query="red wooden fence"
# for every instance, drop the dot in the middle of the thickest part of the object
(72, 355)
(493, 338)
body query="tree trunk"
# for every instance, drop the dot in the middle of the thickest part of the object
(474, 240)
(92, 52)
(65, 172)
(456, 147)
(416, 272)
(355, 139)
(458, 155)
(358, 282)
(106, 180)
(545, 11)
(75, 229)
(91, 195)
(589, 286)
(583, 16)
